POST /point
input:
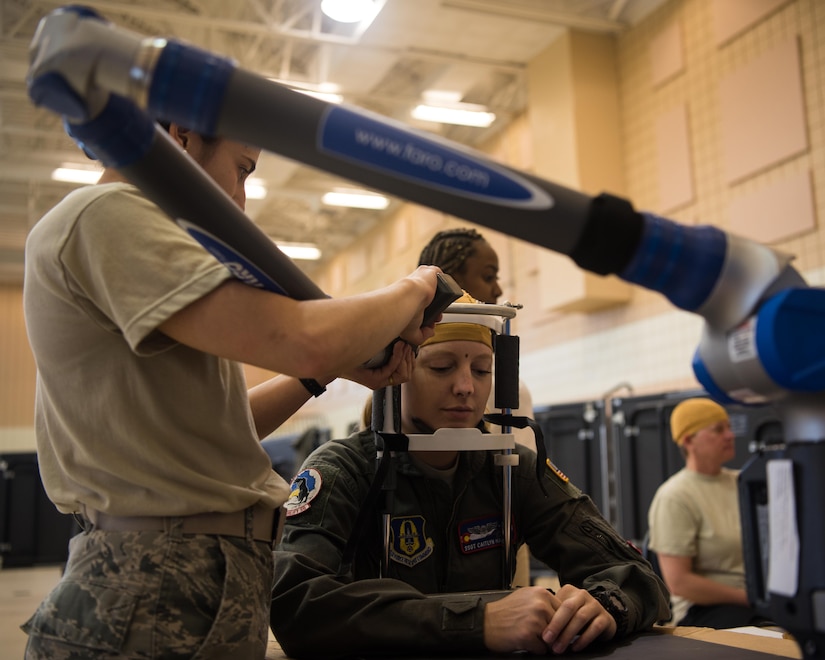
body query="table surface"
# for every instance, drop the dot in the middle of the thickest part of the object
(710, 643)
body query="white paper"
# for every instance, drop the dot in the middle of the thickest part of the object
(783, 564)
(754, 630)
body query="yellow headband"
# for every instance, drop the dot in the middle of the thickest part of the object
(693, 415)
(461, 331)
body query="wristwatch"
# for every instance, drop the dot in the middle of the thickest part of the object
(614, 606)
(313, 386)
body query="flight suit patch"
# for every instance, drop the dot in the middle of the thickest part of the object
(409, 544)
(303, 489)
(480, 534)
(561, 475)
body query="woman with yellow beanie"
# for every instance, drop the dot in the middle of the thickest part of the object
(694, 523)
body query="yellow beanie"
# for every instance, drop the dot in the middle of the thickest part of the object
(693, 415)
(461, 331)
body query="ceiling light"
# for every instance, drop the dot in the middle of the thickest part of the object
(303, 251)
(441, 97)
(255, 188)
(350, 11)
(75, 174)
(356, 199)
(471, 116)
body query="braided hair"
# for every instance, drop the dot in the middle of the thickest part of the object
(449, 249)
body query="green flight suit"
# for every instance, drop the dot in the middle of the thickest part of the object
(446, 541)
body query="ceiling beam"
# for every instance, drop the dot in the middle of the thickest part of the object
(616, 9)
(216, 24)
(257, 28)
(572, 20)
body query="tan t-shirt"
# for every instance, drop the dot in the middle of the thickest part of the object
(128, 421)
(697, 515)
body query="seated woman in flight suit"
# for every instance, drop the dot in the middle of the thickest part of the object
(446, 538)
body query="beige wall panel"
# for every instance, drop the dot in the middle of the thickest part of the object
(552, 115)
(667, 58)
(598, 123)
(584, 101)
(674, 158)
(18, 375)
(426, 222)
(732, 17)
(17, 369)
(400, 233)
(762, 112)
(775, 212)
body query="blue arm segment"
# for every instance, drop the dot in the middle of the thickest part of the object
(683, 263)
(789, 331)
(188, 87)
(119, 136)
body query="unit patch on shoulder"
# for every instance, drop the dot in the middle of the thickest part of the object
(302, 491)
(409, 544)
(561, 475)
(480, 534)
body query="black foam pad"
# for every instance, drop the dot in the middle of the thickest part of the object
(507, 352)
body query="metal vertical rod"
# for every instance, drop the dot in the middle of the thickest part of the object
(608, 453)
(391, 400)
(605, 467)
(507, 485)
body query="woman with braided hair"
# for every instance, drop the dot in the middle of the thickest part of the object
(468, 258)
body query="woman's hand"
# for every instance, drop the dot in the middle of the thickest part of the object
(534, 619)
(578, 621)
(396, 371)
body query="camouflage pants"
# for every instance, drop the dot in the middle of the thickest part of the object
(156, 595)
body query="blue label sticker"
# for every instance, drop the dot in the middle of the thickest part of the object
(480, 534)
(237, 264)
(382, 145)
